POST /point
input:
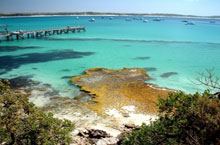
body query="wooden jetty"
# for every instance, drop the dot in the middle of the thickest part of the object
(38, 33)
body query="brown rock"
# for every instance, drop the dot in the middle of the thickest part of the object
(95, 133)
(81, 133)
(117, 88)
(132, 126)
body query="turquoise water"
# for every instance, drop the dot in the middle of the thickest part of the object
(168, 46)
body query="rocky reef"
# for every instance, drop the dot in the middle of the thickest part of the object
(117, 101)
(117, 88)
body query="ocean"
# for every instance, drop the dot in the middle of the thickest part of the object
(171, 52)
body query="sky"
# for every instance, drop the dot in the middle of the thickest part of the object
(194, 7)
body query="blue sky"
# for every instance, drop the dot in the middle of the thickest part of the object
(195, 7)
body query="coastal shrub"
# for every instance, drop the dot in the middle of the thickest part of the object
(21, 123)
(183, 119)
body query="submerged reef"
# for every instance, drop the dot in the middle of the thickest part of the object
(118, 88)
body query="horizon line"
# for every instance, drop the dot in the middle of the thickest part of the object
(93, 12)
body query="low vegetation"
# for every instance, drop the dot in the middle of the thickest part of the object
(184, 119)
(21, 123)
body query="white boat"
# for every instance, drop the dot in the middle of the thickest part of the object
(127, 19)
(145, 21)
(77, 18)
(92, 19)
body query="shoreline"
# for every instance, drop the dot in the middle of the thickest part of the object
(113, 121)
(118, 15)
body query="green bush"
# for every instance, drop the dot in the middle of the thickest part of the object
(183, 119)
(21, 123)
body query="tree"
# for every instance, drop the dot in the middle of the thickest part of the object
(210, 80)
(183, 119)
(23, 123)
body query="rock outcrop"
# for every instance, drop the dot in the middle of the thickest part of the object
(118, 88)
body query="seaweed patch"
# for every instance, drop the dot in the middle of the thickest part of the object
(15, 48)
(150, 69)
(22, 81)
(66, 77)
(143, 58)
(65, 70)
(10, 62)
(168, 74)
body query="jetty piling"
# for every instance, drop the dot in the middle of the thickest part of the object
(39, 33)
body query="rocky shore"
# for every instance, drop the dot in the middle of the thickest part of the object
(119, 88)
(110, 103)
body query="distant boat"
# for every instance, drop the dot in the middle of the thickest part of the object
(145, 21)
(184, 21)
(92, 19)
(157, 19)
(190, 23)
(77, 18)
(127, 19)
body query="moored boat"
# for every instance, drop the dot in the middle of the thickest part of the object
(92, 19)
(157, 19)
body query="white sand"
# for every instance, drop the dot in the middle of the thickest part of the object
(129, 108)
(131, 117)
(37, 97)
(112, 121)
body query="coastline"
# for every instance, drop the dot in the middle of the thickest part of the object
(128, 92)
(112, 15)
(113, 121)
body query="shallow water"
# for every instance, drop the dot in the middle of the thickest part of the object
(172, 53)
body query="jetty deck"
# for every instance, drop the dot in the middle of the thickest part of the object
(38, 33)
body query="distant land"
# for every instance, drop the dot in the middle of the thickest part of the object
(105, 13)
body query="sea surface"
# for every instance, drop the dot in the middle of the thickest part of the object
(172, 52)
